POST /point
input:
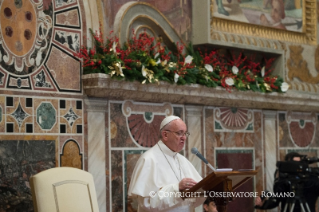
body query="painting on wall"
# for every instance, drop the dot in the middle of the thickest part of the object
(279, 14)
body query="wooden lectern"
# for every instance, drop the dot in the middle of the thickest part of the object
(220, 181)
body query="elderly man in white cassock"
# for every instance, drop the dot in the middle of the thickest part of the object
(162, 172)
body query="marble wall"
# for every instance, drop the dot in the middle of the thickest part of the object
(41, 97)
(237, 138)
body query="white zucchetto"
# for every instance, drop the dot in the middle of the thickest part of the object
(167, 120)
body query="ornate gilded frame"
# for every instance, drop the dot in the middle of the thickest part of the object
(308, 36)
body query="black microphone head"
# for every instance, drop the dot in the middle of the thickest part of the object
(194, 150)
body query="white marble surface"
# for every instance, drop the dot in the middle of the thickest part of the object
(194, 117)
(270, 150)
(96, 148)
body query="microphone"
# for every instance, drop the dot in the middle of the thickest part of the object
(195, 151)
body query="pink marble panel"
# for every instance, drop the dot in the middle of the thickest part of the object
(65, 70)
(69, 18)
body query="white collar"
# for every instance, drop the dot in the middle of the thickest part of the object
(165, 149)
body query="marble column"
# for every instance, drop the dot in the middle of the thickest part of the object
(96, 110)
(194, 126)
(270, 145)
(194, 116)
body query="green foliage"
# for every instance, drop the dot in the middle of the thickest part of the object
(142, 59)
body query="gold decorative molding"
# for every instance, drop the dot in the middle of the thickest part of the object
(317, 61)
(250, 41)
(308, 36)
(100, 14)
(304, 87)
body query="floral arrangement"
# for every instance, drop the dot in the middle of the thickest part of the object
(148, 61)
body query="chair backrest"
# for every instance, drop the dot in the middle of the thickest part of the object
(63, 189)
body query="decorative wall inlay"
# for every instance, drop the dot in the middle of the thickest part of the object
(41, 80)
(46, 116)
(298, 129)
(233, 140)
(71, 117)
(63, 66)
(20, 41)
(2, 78)
(71, 156)
(61, 4)
(234, 119)
(19, 160)
(68, 39)
(19, 115)
(36, 115)
(302, 128)
(143, 121)
(19, 82)
(26, 57)
(71, 18)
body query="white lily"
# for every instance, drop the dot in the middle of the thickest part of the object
(156, 55)
(176, 76)
(209, 68)
(284, 87)
(143, 71)
(114, 47)
(229, 81)
(262, 72)
(234, 70)
(188, 59)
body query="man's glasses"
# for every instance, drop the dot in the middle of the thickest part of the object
(180, 134)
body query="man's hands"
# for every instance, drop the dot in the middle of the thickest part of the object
(186, 183)
(258, 201)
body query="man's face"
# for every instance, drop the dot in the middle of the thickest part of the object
(296, 159)
(171, 135)
(211, 207)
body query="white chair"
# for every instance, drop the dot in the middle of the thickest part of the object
(63, 189)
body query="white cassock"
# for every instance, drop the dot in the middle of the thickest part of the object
(157, 173)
